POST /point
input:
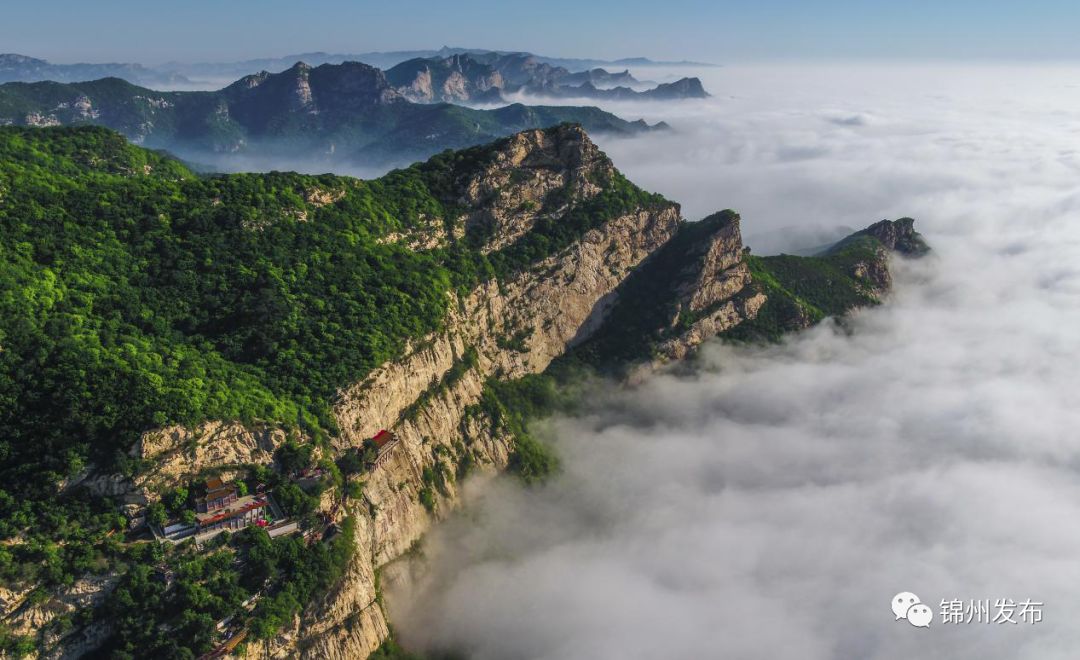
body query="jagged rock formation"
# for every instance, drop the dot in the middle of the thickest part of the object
(511, 192)
(177, 451)
(712, 288)
(22, 68)
(455, 79)
(893, 235)
(602, 78)
(258, 100)
(488, 77)
(692, 289)
(558, 304)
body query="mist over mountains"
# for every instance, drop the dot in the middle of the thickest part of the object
(349, 115)
(211, 75)
(305, 117)
(386, 60)
(771, 502)
(20, 68)
(490, 77)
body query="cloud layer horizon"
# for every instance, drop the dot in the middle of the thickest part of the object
(769, 504)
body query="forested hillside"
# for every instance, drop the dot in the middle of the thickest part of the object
(135, 294)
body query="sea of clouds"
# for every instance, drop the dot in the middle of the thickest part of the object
(770, 504)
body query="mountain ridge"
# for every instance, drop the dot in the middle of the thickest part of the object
(489, 78)
(388, 59)
(15, 67)
(22, 68)
(345, 113)
(253, 326)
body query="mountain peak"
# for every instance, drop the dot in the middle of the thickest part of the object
(333, 88)
(12, 59)
(682, 88)
(510, 183)
(561, 147)
(897, 235)
(565, 146)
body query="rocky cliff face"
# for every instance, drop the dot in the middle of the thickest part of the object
(556, 303)
(713, 290)
(264, 98)
(693, 288)
(513, 190)
(479, 78)
(877, 242)
(894, 235)
(455, 79)
(427, 396)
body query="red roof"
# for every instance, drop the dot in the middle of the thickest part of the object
(233, 513)
(382, 438)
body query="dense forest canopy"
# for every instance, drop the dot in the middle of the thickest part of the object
(137, 294)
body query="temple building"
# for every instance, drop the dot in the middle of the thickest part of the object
(218, 496)
(386, 442)
(224, 509)
(247, 510)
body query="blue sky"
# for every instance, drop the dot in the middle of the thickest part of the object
(720, 30)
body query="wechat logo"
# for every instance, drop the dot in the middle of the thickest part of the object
(906, 605)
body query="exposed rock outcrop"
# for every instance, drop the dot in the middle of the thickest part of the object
(693, 288)
(482, 78)
(879, 240)
(713, 290)
(514, 189)
(454, 79)
(895, 235)
(30, 616)
(177, 453)
(559, 303)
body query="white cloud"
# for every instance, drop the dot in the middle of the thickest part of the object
(769, 505)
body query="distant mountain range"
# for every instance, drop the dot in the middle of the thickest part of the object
(334, 113)
(488, 77)
(386, 60)
(21, 68)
